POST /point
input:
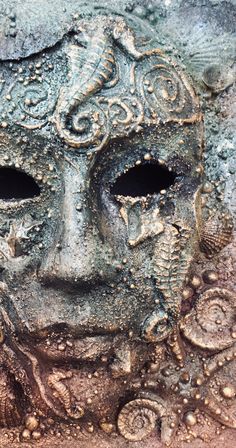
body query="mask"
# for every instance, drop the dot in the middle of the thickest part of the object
(105, 239)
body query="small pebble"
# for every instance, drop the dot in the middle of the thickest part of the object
(190, 419)
(26, 434)
(228, 391)
(36, 435)
(31, 423)
(195, 281)
(210, 276)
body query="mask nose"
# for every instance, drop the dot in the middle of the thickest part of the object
(78, 254)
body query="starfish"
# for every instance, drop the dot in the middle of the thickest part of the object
(175, 387)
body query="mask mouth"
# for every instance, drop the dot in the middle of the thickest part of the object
(57, 332)
(85, 348)
(60, 341)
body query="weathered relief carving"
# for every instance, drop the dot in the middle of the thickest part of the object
(117, 248)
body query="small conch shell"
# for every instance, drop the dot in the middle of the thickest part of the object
(218, 77)
(156, 327)
(216, 234)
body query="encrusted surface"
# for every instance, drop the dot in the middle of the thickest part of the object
(117, 245)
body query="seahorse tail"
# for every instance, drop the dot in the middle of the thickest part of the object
(76, 121)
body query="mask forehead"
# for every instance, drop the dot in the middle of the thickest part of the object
(96, 87)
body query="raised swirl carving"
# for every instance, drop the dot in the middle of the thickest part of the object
(165, 94)
(89, 126)
(35, 103)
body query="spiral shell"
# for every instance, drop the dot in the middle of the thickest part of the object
(10, 409)
(156, 327)
(211, 324)
(218, 77)
(137, 419)
(216, 234)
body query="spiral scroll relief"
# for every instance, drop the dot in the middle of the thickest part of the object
(87, 126)
(154, 92)
(30, 105)
(166, 91)
(157, 94)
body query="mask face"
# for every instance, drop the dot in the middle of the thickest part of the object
(87, 237)
(103, 232)
(104, 229)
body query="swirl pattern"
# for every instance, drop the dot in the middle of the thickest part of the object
(166, 91)
(156, 327)
(35, 103)
(87, 126)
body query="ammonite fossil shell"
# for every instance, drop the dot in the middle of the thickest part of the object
(10, 409)
(216, 234)
(138, 418)
(212, 324)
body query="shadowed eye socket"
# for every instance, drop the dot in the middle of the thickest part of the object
(143, 180)
(17, 185)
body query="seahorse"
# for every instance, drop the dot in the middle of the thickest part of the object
(89, 71)
(18, 360)
(11, 408)
(64, 395)
(171, 263)
(170, 267)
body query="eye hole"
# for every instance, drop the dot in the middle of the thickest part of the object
(15, 184)
(143, 180)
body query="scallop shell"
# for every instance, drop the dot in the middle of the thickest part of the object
(10, 408)
(137, 419)
(203, 48)
(216, 234)
(212, 49)
(212, 324)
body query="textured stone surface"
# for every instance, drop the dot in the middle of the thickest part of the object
(117, 212)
